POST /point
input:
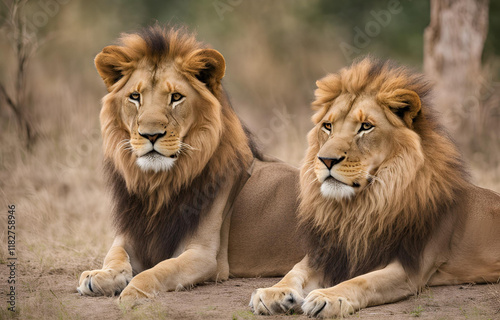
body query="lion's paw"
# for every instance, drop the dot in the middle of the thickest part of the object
(275, 300)
(107, 282)
(132, 296)
(141, 289)
(321, 304)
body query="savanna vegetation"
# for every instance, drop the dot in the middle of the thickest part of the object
(50, 145)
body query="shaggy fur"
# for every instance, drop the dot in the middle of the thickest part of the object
(158, 210)
(394, 216)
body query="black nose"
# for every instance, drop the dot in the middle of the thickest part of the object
(152, 137)
(330, 162)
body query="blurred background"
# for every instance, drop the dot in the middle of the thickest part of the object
(50, 144)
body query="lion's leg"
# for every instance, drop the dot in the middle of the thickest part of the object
(191, 267)
(287, 294)
(222, 257)
(196, 263)
(389, 284)
(114, 276)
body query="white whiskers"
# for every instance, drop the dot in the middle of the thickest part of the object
(125, 145)
(372, 178)
(308, 170)
(188, 147)
(313, 181)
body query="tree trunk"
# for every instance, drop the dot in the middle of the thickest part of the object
(453, 45)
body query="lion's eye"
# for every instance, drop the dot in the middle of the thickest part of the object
(176, 97)
(136, 96)
(327, 126)
(365, 126)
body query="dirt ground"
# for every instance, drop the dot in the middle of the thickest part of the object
(55, 297)
(63, 227)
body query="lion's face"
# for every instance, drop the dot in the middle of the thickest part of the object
(162, 110)
(350, 143)
(158, 114)
(379, 172)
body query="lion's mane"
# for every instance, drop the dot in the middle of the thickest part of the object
(396, 214)
(156, 211)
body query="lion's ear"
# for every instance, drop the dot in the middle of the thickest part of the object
(405, 104)
(111, 63)
(208, 66)
(328, 89)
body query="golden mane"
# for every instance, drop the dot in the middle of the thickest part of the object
(409, 193)
(219, 139)
(156, 210)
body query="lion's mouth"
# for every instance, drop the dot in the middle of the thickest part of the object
(155, 161)
(336, 189)
(154, 154)
(332, 180)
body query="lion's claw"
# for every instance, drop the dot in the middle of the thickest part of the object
(275, 300)
(107, 282)
(323, 305)
(133, 296)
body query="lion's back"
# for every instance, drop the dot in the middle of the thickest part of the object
(264, 239)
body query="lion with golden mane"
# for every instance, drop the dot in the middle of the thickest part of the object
(385, 200)
(193, 199)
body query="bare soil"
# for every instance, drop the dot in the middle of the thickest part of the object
(52, 295)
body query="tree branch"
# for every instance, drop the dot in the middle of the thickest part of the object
(7, 98)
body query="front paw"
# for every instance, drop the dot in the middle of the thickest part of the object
(275, 300)
(107, 282)
(322, 304)
(141, 289)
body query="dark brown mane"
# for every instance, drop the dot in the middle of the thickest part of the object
(157, 211)
(331, 255)
(162, 43)
(156, 238)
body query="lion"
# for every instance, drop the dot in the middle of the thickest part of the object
(385, 200)
(194, 200)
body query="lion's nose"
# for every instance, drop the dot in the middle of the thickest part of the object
(153, 137)
(330, 162)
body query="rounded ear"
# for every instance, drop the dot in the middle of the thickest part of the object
(111, 63)
(207, 65)
(404, 103)
(328, 89)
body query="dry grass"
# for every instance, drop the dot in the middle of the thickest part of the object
(62, 210)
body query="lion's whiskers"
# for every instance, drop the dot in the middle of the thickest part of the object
(308, 170)
(372, 177)
(309, 162)
(125, 145)
(312, 181)
(187, 146)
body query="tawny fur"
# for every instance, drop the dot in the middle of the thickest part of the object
(424, 173)
(205, 204)
(411, 219)
(217, 137)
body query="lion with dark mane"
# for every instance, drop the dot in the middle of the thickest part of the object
(385, 200)
(193, 198)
